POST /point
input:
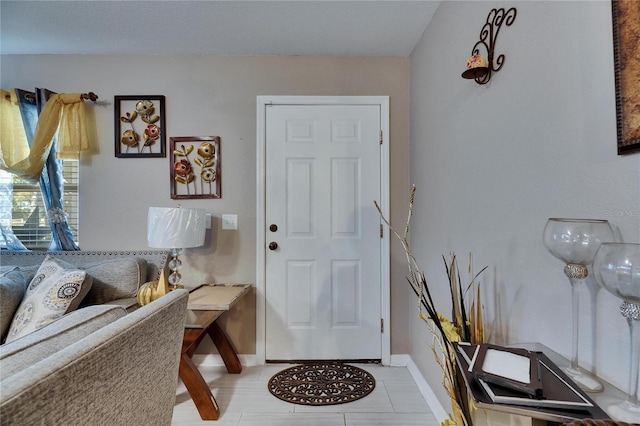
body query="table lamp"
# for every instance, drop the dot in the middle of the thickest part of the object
(175, 228)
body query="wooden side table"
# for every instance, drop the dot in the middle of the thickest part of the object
(206, 304)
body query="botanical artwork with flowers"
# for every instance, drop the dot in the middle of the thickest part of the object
(195, 167)
(140, 128)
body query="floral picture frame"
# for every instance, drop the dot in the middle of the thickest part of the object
(195, 167)
(139, 126)
(626, 30)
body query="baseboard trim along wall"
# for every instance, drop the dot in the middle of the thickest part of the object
(214, 360)
(427, 392)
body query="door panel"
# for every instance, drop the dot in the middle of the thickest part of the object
(323, 282)
(299, 200)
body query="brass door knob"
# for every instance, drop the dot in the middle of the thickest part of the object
(273, 245)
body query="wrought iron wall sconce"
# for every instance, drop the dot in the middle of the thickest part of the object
(479, 67)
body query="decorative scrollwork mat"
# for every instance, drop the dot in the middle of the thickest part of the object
(321, 383)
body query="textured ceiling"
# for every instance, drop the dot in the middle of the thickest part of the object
(238, 27)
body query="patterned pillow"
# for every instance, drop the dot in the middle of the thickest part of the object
(53, 292)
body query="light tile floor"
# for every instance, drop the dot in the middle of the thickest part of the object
(244, 400)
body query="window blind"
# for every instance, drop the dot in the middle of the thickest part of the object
(28, 216)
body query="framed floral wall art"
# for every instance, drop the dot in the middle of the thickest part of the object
(140, 126)
(195, 167)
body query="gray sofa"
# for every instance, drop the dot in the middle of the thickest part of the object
(97, 365)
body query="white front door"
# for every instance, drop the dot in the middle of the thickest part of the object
(323, 281)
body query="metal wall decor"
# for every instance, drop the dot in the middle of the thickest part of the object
(139, 126)
(626, 31)
(195, 167)
(480, 67)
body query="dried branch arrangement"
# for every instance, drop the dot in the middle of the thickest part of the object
(462, 326)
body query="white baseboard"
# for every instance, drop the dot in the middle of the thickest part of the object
(427, 392)
(214, 360)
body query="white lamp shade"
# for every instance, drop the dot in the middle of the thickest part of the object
(175, 227)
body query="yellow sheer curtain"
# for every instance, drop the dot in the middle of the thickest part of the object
(13, 140)
(72, 134)
(63, 113)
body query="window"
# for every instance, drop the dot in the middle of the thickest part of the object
(22, 208)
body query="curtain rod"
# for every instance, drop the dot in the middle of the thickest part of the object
(87, 96)
(90, 96)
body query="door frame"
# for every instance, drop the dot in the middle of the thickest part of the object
(262, 104)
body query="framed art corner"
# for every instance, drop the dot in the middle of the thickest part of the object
(626, 31)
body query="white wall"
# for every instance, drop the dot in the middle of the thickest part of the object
(209, 95)
(492, 163)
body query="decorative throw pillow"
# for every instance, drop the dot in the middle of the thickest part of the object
(53, 291)
(12, 284)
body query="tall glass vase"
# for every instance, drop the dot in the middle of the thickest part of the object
(575, 242)
(617, 269)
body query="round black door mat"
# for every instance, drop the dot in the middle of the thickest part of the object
(321, 383)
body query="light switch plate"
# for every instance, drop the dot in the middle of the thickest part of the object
(230, 222)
